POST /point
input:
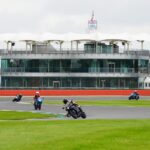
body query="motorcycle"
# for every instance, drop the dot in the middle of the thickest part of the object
(75, 112)
(134, 96)
(17, 98)
(38, 103)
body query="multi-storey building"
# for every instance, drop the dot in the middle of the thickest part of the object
(96, 65)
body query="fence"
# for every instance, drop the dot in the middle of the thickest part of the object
(73, 92)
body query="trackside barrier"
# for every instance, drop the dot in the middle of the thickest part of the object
(73, 92)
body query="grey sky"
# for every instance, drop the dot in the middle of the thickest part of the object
(63, 16)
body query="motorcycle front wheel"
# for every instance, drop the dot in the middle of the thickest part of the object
(83, 115)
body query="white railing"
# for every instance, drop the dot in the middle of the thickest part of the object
(71, 70)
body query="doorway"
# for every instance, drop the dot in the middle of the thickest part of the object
(56, 84)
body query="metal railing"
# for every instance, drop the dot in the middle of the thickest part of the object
(75, 51)
(71, 70)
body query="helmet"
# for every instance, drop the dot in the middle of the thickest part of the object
(37, 92)
(135, 90)
(65, 101)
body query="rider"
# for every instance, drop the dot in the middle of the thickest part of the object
(18, 97)
(35, 98)
(135, 93)
(68, 102)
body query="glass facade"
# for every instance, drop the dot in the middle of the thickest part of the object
(69, 82)
(74, 65)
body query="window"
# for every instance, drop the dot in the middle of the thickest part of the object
(145, 84)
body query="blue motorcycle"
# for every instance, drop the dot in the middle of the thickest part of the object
(38, 103)
(17, 98)
(134, 96)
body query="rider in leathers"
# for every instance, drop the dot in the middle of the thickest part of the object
(69, 103)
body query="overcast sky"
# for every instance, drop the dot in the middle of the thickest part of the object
(63, 16)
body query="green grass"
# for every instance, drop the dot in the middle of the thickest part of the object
(14, 115)
(75, 135)
(133, 103)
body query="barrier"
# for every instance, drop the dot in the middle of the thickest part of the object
(73, 92)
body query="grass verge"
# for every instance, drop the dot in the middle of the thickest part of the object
(133, 103)
(21, 115)
(75, 135)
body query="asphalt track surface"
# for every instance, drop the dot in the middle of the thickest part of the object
(93, 112)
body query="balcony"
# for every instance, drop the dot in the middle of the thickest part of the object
(73, 72)
(76, 54)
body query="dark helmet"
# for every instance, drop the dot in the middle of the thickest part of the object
(65, 101)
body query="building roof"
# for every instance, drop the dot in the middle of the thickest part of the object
(115, 40)
(73, 37)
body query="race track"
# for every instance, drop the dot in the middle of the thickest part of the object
(93, 112)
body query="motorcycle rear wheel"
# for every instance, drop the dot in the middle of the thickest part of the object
(73, 113)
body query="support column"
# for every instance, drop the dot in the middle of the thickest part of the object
(61, 42)
(142, 42)
(77, 45)
(127, 46)
(71, 45)
(96, 46)
(0, 74)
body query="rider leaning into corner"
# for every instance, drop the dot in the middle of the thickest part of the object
(68, 103)
(73, 109)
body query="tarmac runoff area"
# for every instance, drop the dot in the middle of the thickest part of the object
(93, 112)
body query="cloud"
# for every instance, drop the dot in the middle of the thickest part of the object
(63, 24)
(63, 16)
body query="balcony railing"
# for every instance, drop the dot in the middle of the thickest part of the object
(75, 51)
(72, 70)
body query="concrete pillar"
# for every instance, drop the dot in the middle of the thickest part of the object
(0, 74)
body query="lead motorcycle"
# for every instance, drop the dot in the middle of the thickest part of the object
(38, 103)
(75, 111)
